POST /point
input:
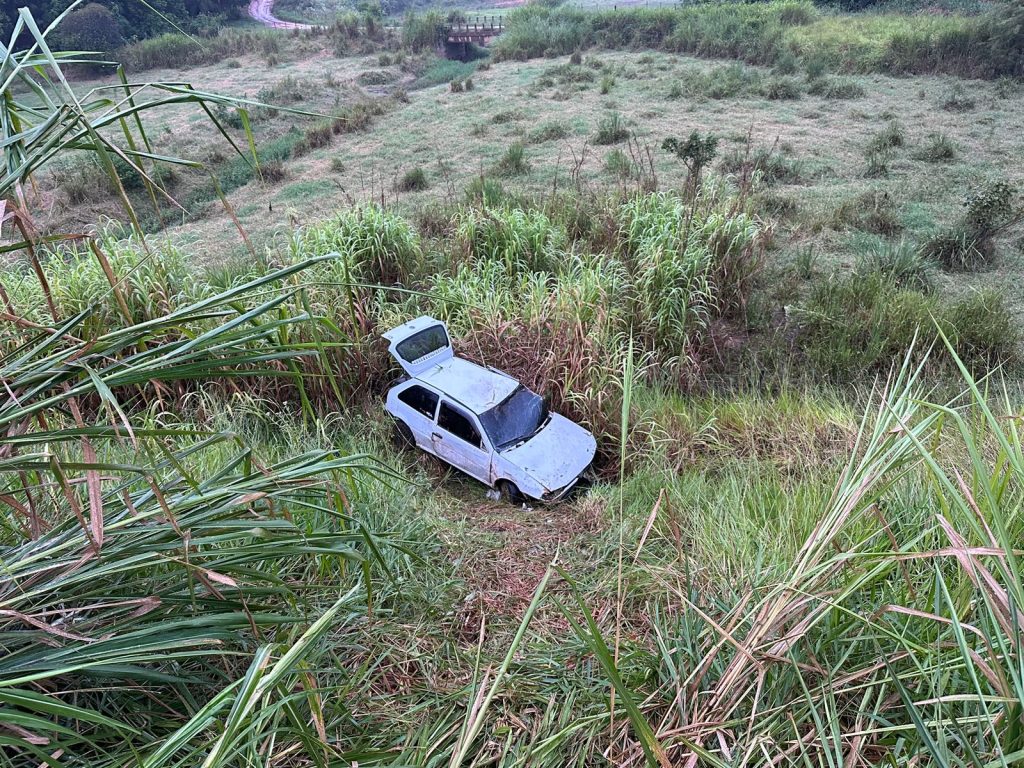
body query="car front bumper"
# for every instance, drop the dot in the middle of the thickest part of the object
(582, 482)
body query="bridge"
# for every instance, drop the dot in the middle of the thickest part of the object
(455, 37)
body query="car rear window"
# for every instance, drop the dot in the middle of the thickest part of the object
(421, 399)
(424, 343)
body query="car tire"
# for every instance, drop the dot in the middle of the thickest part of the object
(403, 435)
(510, 492)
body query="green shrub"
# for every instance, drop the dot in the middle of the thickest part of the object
(90, 27)
(773, 33)
(969, 244)
(749, 31)
(78, 177)
(618, 164)
(786, 63)
(607, 83)
(687, 265)
(862, 323)
(696, 153)
(1005, 33)
(154, 279)
(421, 32)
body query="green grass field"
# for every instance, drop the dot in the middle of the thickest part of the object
(794, 331)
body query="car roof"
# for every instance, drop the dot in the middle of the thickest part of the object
(477, 388)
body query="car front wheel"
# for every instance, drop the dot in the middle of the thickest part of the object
(403, 435)
(510, 492)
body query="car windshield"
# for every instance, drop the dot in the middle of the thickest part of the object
(518, 417)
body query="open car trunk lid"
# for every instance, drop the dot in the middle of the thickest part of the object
(420, 344)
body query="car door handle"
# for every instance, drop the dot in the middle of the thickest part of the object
(436, 436)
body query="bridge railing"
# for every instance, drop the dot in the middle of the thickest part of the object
(478, 24)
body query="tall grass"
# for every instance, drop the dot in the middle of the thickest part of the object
(866, 321)
(764, 33)
(202, 565)
(145, 560)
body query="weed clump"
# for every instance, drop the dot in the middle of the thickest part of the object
(375, 246)
(507, 116)
(835, 88)
(273, 172)
(513, 162)
(874, 212)
(521, 240)
(902, 263)
(413, 180)
(970, 243)
(317, 137)
(958, 100)
(770, 166)
(719, 82)
(783, 88)
(549, 131)
(487, 192)
(611, 130)
(937, 148)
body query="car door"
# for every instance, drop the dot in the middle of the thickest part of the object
(422, 413)
(458, 439)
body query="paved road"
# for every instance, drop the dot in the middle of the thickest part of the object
(263, 12)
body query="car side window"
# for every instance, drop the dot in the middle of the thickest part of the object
(459, 425)
(420, 399)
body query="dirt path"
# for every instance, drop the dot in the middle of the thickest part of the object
(263, 12)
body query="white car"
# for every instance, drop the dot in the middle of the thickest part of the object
(482, 421)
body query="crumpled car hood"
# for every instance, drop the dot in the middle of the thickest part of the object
(556, 455)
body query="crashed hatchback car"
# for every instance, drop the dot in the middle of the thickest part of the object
(481, 420)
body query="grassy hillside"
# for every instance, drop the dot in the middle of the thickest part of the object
(783, 292)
